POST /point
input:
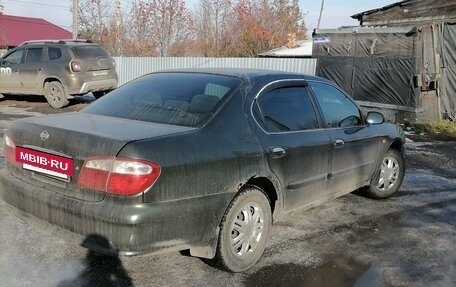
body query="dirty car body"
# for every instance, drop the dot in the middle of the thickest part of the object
(186, 159)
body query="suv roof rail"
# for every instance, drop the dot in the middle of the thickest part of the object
(57, 41)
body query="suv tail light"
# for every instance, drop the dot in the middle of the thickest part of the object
(75, 66)
(10, 151)
(118, 176)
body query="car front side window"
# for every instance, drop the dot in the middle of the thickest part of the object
(338, 110)
(14, 58)
(286, 109)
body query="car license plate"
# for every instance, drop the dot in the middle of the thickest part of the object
(46, 163)
(100, 73)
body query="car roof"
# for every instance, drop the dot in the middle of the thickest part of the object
(249, 74)
(69, 43)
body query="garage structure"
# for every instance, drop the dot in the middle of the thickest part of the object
(400, 60)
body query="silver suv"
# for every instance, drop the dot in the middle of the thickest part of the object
(59, 70)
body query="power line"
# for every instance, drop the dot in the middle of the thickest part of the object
(28, 3)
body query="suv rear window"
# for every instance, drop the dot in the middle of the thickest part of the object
(89, 52)
(168, 98)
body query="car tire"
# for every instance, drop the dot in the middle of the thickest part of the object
(55, 94)
(389, 177)
(247, 220)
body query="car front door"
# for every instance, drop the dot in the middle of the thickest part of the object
(31, 70)
(354, 143)
(10, 80)
(298, 150)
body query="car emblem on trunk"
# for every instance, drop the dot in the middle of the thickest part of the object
(44, 135)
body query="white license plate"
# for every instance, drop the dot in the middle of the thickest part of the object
(100, 73)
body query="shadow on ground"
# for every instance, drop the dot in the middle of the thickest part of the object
(100, 269)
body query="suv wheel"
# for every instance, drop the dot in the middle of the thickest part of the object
(55, 95)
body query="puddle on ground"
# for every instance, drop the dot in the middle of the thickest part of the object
(339, 271)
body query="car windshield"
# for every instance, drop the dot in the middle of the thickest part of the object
(89, 52)
(182, 99)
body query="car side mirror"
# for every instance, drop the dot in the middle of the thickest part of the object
(375, 118)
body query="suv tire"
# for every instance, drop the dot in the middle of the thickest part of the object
(55, 94)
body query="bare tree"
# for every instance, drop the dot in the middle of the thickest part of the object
(213, 26)
(265, 24)
(93, 18)
(163, 25)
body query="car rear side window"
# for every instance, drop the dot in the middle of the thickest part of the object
(89, 52)
(168, 98)
(54, 53)
(286, 109)
(33, 55)
(338, 110)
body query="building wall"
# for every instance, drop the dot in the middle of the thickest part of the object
(413, 12)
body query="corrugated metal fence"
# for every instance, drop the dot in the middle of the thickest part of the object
(130, 68)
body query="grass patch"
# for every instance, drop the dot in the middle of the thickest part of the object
(438, 130)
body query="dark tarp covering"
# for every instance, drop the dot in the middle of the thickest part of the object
(365, 45)
(382, 80)
(448, 82)
(374, 67)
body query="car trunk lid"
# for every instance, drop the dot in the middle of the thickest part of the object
(76, 137)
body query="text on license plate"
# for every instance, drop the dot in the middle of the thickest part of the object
(46, 163)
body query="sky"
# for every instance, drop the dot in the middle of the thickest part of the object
(336, 13)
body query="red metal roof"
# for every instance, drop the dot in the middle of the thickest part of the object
(15, 30)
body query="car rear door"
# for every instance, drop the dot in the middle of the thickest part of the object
(10, 80)
(354, 144)
(298, 150)
(32, 69)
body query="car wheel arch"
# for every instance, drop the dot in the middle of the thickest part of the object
(271, 190)
(397, 145)
(52, 79)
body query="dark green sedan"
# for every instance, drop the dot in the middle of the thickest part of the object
(201, 160)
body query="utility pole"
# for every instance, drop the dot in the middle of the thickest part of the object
(75, 19)
(117, 8)
(321, 12)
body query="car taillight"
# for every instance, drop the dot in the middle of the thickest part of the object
(10, 151)
(118, 176)
(75, 66)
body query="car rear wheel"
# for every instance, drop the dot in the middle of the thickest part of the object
(243, 231)
(55, 95)
(389, 177)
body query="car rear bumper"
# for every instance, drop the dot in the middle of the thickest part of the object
(130, 229)
(95, 86)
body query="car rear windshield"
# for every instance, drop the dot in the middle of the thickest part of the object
(182, 99)
(89, 52)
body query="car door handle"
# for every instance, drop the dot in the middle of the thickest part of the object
(339, 143)
(277, 152)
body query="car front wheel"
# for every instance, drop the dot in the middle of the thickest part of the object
(55, 94)
(389, 177)
(244, 231)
